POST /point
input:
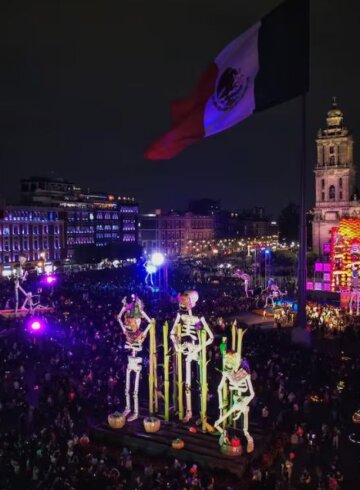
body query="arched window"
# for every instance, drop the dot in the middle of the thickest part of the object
(322, 183)
(332, 192)
(340, 183)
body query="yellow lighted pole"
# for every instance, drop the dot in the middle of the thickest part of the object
(152, 359)
(240, 335)
(156, 394)
(179, 377)
(225, 391)
(233, 335)
(203, 379)
(166, 371)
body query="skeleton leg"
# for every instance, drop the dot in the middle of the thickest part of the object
(127, 390)
(188, 389)
(16, 296)
(226, 415)
(135, 414)
(250, 440)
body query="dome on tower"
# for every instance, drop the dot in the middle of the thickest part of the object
(335, 115)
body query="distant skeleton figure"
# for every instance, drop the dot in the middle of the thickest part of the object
(246, 278)
(273, 294)
(31, 302)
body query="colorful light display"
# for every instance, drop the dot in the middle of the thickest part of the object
(345, 255)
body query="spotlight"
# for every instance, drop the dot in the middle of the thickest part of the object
(50, 280)
(157, 259)
(36, 325)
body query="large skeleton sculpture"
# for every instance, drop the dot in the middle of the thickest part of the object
(246, 279)
(184, 335)
(130, 318)
(31, 302)
(239, 384)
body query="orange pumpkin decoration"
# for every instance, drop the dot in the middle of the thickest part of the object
(177, 444)
(116, 420)
(151, 424)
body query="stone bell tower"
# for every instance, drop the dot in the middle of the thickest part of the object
(334, 178)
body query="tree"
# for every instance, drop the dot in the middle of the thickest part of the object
(289, 223)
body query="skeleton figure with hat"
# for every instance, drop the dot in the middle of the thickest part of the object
(130, 317)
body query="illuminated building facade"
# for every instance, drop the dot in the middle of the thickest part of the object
(100, 223)
(31, 232)
(149, 233)
(171, 233)
(177, 230)
(58, 218)
(345, 254)
(334, 179)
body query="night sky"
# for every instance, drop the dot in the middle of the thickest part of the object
(86, 85)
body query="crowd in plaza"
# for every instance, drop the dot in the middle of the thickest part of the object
(332, 321)
(54, 386)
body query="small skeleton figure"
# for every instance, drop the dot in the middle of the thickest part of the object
(20, 277)
(354, 289)
(246, 278)
(239, 383)
(354, 298)
(273, 294)
(130, 318)
(188, 342)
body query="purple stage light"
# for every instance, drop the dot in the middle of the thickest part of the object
(50, 280)
(36, 325)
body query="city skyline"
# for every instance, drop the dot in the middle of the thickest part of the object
(85, 90)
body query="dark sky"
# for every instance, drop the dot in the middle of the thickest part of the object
(85, 86)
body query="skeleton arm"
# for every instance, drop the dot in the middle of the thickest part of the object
(210, 339)
(220, 391)
(119, 318)
(144, 315)
(146, 331)
(173, 333)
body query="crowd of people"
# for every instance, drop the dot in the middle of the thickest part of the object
(55, 386)
(332, 321)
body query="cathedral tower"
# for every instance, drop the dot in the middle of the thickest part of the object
(334, 178)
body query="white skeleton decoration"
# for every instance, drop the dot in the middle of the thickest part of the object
(188, 341)
(355, 290)
(31, 302)
(246, 279)
(273, 294)
(240, 385)
(130, 318)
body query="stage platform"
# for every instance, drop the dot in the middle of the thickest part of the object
(23, 312)
(200, 448)
(255, 319)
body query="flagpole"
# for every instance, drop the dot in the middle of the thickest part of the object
(301, 315)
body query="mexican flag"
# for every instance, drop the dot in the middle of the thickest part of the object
(266, 65)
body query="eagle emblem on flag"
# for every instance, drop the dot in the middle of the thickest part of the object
(230, 88)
